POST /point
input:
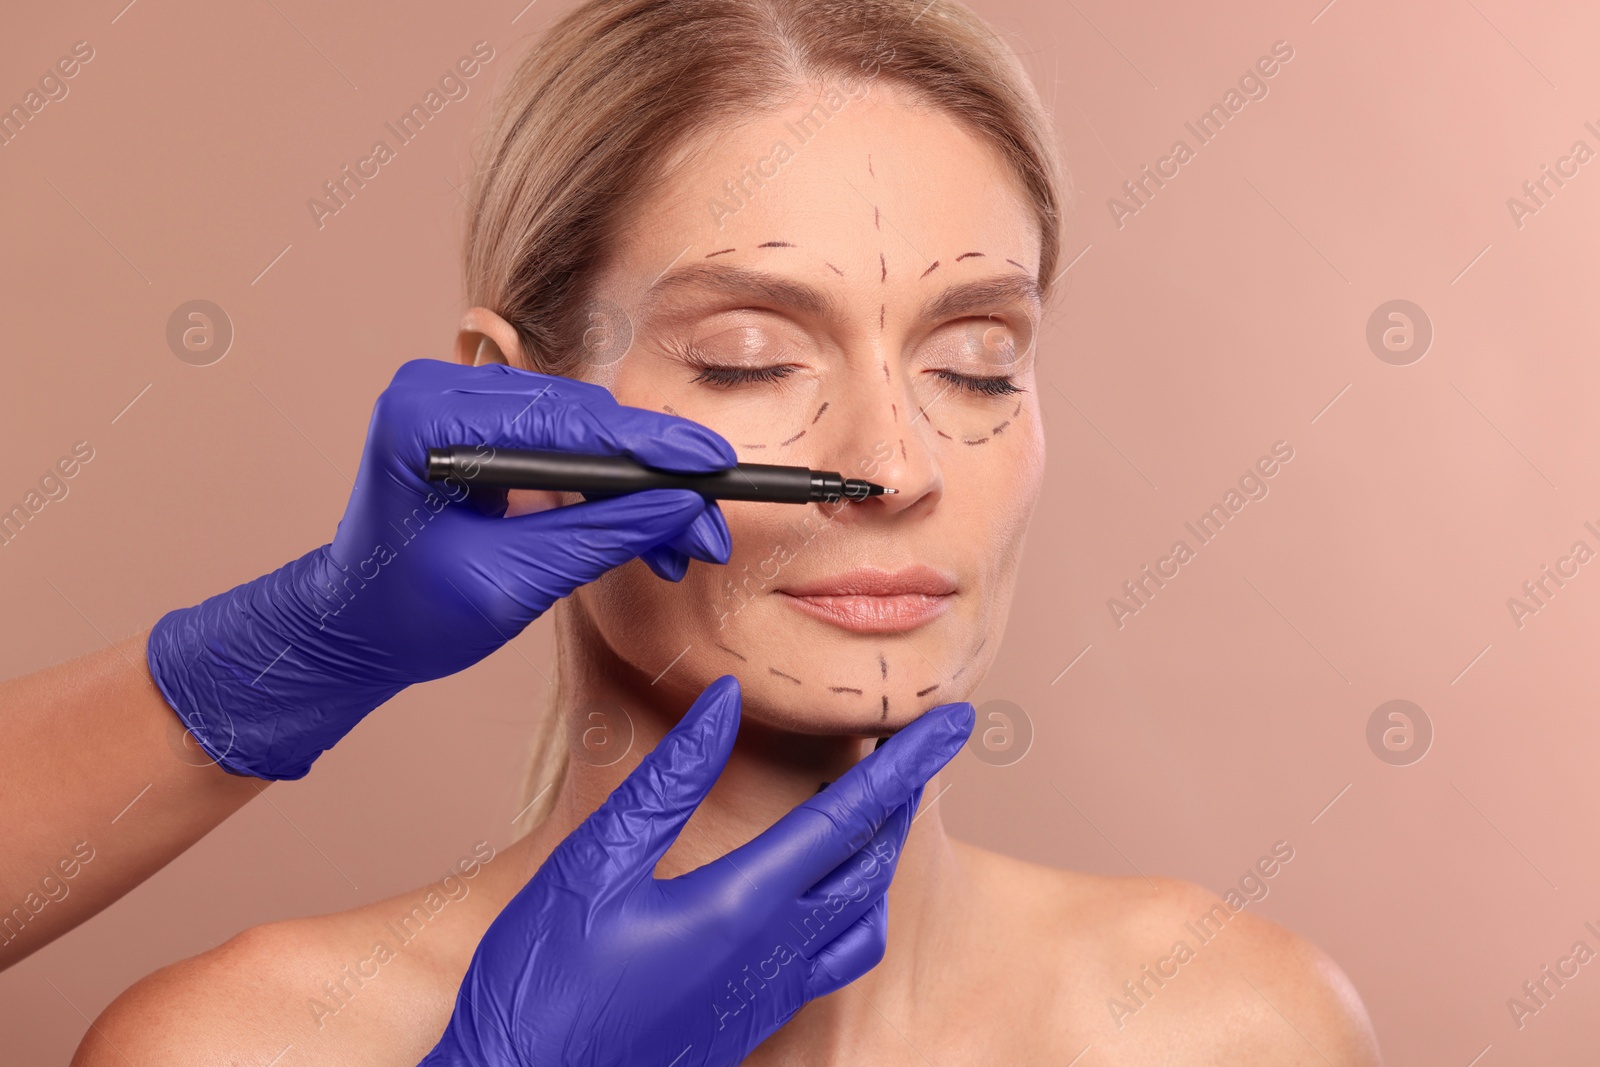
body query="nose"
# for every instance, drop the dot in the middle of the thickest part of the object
(881, 437)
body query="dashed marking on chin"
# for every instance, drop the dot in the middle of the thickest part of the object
(725, 251)
(844, 689)
(780, 674)
(792, 440)
(925, 692)
(668, 409)
(730, 651)
(883, 666)
(975, 441)
(820, 410)
(885, 714)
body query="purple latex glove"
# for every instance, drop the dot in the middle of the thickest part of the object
(424, 579)
(598, 963)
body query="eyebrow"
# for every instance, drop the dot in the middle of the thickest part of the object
(742, 282)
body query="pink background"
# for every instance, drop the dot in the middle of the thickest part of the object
(1228, 313)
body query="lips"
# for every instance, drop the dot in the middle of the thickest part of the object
(873, 601)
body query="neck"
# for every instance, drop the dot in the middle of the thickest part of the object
(769, 772)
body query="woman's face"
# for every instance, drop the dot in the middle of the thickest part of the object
(850, 287)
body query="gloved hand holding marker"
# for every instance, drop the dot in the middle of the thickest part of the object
(414, 587)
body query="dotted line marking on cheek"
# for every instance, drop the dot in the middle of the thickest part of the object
(730, 651)
(1002, 426)
(792, 440)
(820, 410)
(777, 244)
(780, 674)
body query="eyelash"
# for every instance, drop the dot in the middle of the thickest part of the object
(998, 385)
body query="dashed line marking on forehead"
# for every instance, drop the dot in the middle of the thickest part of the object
(1017, 265)
(725, 251)
(835, 270)
(931, 269)
(969, 255)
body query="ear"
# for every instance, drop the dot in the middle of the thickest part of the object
(487, 338)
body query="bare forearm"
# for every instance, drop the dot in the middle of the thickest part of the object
(100, 787)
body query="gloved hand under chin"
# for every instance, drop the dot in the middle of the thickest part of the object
(423, 579)
(598, 963)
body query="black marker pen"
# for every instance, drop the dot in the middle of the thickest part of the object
(507, 468)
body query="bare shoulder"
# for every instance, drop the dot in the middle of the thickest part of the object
(1160, 970)
(372, 985)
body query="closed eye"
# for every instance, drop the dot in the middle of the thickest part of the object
(990, 385)
(726, 377)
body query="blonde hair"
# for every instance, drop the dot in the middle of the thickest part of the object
(616, 88)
